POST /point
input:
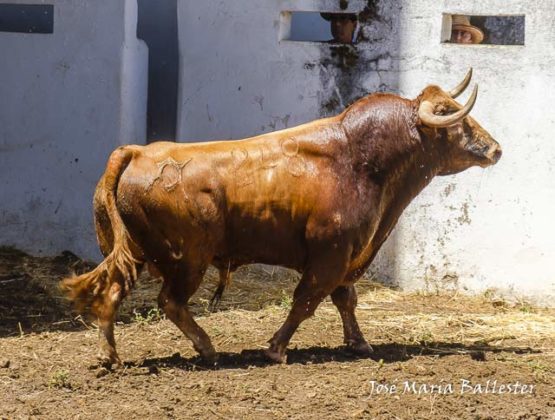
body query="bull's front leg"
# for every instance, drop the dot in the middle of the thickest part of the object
(345, 299)
(305, 302)
(325, 269)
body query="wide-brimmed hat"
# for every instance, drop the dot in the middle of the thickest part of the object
(462, 23)
(330, 16)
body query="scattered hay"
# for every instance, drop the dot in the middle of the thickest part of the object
(387, 314)
(422, 337)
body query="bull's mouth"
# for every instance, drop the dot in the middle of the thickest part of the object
(490, 158)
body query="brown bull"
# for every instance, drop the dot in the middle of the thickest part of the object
(320, 198)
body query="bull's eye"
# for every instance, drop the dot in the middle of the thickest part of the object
(478, 146)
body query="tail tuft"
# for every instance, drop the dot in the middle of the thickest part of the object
(82, 290)
(120, 266)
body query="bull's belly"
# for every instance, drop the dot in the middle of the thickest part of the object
(196, 228)
(178, 238)
(248, 241)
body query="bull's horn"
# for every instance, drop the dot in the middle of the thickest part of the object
(427, 116)
(462, 86)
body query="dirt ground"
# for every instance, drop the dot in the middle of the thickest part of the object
(439, 351)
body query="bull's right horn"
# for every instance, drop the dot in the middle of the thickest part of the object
(427, 116)
(462, 86)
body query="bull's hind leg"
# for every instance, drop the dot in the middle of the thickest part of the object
(106, 316)
(345, 299)
(325, 270)
(105, 307)
(180, 283)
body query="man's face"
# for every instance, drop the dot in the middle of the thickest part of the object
(461, 37)
(342, 30)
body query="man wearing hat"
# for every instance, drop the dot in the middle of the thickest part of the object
(342, 26)
(463, 32)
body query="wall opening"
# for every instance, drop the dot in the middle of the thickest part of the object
(157, 26)
(27, 18)
(488, 30)
(331, 27)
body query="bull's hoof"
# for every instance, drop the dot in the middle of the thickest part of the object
(275, 356)
(210, 357)
(207, 353)
(109, 362)
(360, 348)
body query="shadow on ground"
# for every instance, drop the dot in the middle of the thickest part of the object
(29, 295)
(383, 353)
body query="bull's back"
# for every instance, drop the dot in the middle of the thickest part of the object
(245, 201)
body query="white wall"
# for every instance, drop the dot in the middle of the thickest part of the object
(238, 79)
(67, 100)
(477, 230)
(492, 228)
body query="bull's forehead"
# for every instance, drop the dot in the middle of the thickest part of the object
(478, 133)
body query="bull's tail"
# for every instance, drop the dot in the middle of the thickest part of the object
(89, 290)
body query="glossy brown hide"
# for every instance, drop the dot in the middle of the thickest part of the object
(320, 198)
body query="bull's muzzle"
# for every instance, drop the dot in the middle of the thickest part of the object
(494, 153)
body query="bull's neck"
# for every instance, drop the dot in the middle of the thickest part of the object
(397, 185)
(393, 158)
(407, 175)
(400, 162)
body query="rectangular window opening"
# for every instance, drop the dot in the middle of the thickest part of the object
(329, 27)
(478, 30)
(27, 18)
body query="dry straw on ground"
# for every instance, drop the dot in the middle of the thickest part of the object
(47, 353)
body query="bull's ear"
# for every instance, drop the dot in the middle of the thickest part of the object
(429, 118)
(462, 86)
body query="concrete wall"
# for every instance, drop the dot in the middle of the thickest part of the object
(477, 230)
(493, 228)
(67, 100)
(238, 77)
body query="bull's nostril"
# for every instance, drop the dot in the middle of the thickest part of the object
(497, 155)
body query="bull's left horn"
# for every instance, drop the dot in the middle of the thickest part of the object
(427, 116)
(462, 86)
